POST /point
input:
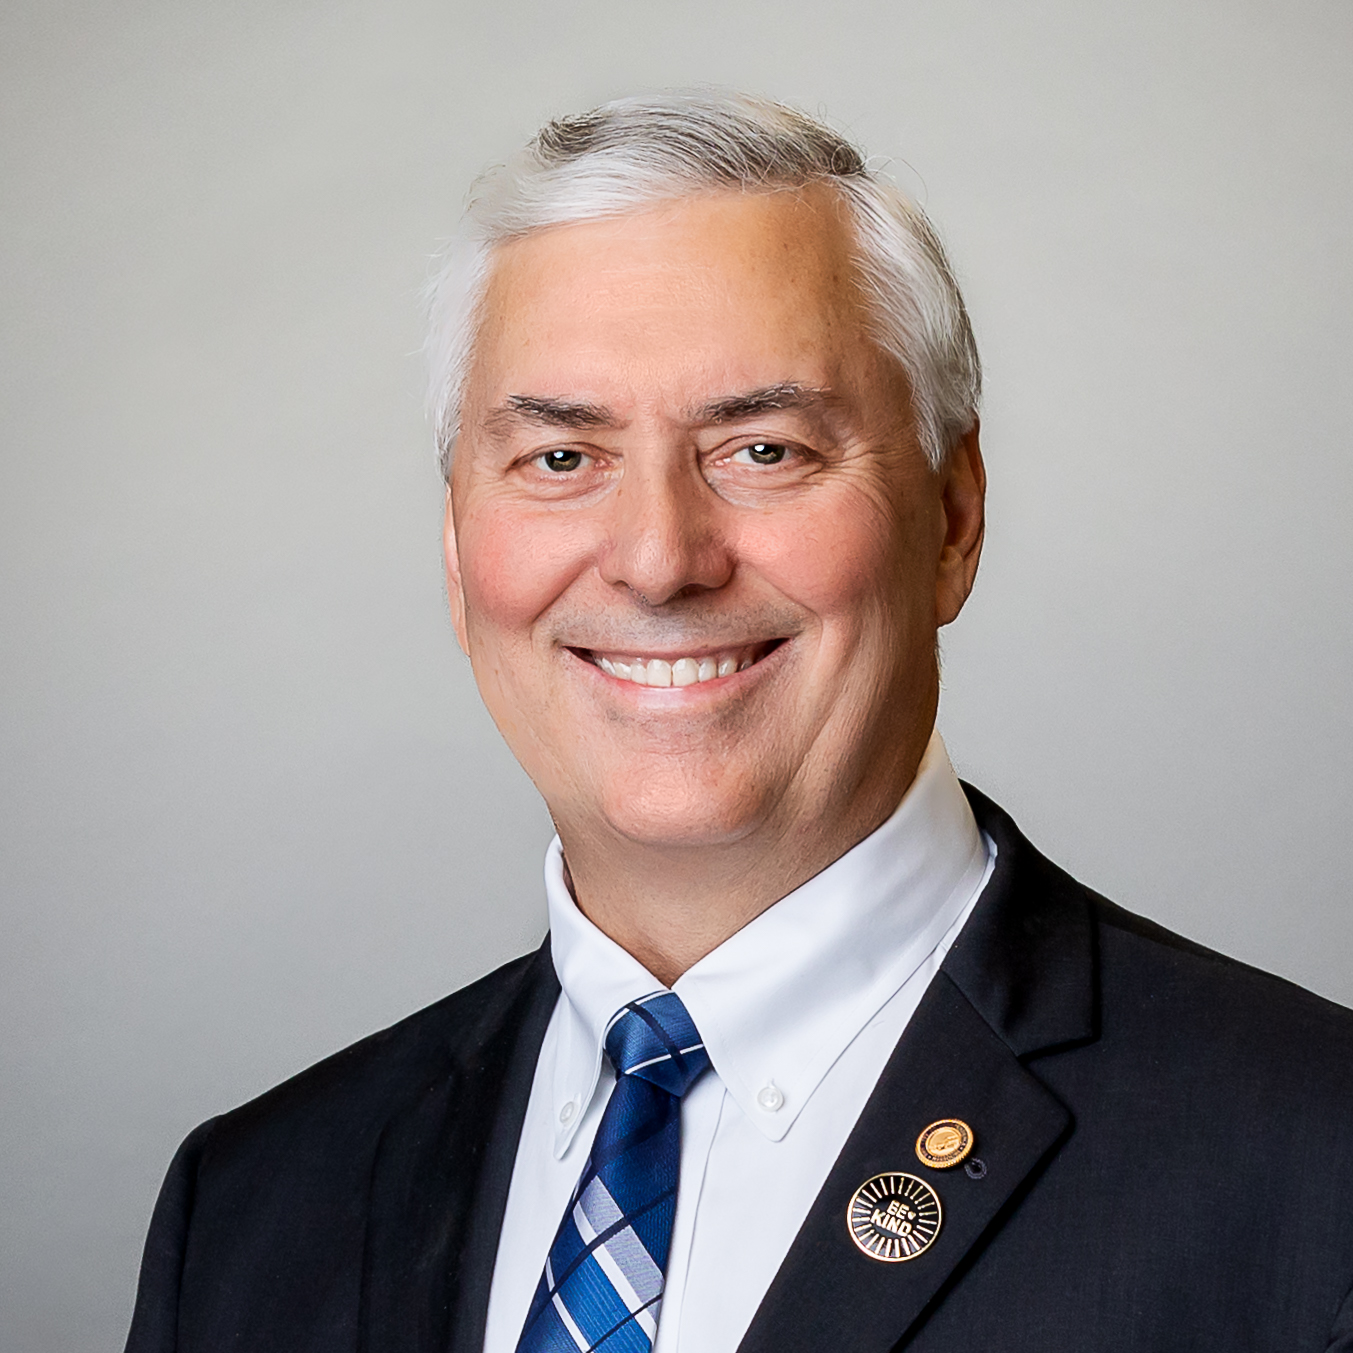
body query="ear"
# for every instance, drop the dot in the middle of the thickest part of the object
(963, 503)
(455, 592)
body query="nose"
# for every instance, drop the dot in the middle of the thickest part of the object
(665, 538)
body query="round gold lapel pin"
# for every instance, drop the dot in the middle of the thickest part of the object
(894, 1217)
(944, 1144)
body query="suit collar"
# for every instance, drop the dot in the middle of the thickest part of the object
(1019, 981)
(441, 1173)
(1025, 959)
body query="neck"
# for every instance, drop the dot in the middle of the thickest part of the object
(670, 905)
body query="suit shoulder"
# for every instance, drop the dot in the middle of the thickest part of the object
(1215, 1017)
(1176, 958)
(351, 1093)
(264, 1220)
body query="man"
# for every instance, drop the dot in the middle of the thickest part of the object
(820, 1053)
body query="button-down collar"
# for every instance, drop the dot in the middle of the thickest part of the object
(778, 1002)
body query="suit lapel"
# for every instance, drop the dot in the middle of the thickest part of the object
(1019, 981)
(440, 1180)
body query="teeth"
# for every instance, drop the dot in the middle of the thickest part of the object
(681, 672)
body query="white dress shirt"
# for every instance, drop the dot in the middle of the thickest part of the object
(799, 1012)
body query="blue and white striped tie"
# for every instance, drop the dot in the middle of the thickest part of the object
(603, 1280)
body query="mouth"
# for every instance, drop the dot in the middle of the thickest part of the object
(687, 670)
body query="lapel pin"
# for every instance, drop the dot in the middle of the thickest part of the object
(894, 1217)
(944, 1144)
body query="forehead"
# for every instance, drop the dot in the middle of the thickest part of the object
(726, 290)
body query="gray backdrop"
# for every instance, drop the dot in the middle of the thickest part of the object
(251, 809)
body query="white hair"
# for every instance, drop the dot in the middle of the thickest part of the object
(634, 153)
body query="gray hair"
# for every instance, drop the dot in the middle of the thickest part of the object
(634, 153)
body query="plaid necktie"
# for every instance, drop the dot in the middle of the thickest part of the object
(603, 1280)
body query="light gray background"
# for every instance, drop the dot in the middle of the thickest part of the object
(251, 809)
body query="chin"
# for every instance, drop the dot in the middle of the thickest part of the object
(668, 816)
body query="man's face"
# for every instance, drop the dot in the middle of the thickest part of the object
(684, 460)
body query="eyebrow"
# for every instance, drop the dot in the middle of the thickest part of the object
(787, 395)
(555, 413)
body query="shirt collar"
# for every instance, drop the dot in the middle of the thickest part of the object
(850, 936)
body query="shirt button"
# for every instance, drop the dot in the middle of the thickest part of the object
(568, 1113)
(770, 1098)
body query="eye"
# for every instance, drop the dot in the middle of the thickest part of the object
(561, 462)
(761, 453)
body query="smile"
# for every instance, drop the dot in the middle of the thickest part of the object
(686, 671)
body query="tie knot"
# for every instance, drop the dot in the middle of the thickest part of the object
(655, 1039)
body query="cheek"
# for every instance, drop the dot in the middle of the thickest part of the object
(837, 558)
(514, 566)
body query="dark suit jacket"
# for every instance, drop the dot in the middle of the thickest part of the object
(1167, 1138)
